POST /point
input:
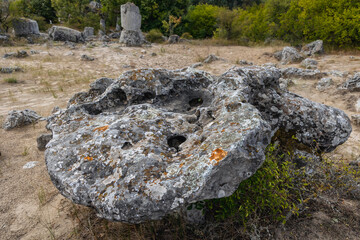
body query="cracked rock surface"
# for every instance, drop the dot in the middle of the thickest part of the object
(154, 140)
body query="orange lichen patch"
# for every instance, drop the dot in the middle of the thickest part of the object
(102, 129)
(78, 119)
(218, 155)
(223, 130)
(89, 158)
(181, 165)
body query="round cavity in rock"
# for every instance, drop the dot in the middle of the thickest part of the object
(92, 110)
(195, 102)
(126, 146)
(144, 97)
(176, 141)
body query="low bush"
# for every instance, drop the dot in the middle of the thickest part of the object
(154, 36)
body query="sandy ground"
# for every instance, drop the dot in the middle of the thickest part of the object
(30, 206)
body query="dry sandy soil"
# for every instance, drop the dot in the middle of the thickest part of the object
(31, 207)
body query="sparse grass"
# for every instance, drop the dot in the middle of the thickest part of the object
(25, 152)
(11, 80)
(42, 196)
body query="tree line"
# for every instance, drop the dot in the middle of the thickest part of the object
(337, 22)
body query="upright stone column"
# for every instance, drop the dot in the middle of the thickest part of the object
(131, 24)
(102, 27)
(118, 27)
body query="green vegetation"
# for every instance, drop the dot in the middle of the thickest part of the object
(154, 35)
(337, 22)
(11, 80)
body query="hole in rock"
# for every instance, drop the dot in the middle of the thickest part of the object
(92, 110)
(195, 102)
(144, 97)
(126, 146)
(176, 141)
(118, 96)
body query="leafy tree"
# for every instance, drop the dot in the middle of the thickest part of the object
(201, 20)
(171, 24)
(4, 15)
(76, 13)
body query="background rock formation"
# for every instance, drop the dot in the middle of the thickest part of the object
(131, 34)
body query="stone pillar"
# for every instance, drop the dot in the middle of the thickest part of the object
(131, 34)
(102, 27)
(118, 27)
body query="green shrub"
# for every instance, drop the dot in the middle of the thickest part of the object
(186, 35)
(154, 35)
(272, 192)
(10, 80)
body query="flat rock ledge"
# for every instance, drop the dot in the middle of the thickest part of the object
(152, 141)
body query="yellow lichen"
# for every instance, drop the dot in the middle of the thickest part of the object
(218, 155)
(102, 129)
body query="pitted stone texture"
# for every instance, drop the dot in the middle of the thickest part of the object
(130, 17)
(57, 33)
(353, 83)
(24, 27)
(154, 140)
(288, 55)
(88, 32)
(20, 118)
(324, 83)
(42, 140)
(313, 48)
(302, 73)
(132, 38)
(309, 63)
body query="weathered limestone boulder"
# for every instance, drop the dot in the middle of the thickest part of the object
(154, 140)
(309, 63)
(64, 34)
(353, 83)
(313, 48)
(103, 26)
(18, 54)
(24, 27)
(288, 55)
(4, 40)
(131, 34)
(20, 118)
(302, 73)
(173, 39)
(88, 33)
(94, 6)
(114, 35)
(10, 69)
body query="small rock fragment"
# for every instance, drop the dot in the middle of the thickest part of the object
(356, 119)
(353, 83)
(85, 57)
(30, 165)
(173, 39)
(42, 140)
(211, 58)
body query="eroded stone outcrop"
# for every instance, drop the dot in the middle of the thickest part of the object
(131, 34)
(155, 140)
(24, 27)
(64, 34)
(20, 118)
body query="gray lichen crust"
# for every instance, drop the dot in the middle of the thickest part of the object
(154, 140)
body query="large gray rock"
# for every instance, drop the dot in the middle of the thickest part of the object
(24, 27)
(4, 40)
(131, 22)
(103, 25)
(302, 73)
(288, 55)
(132, 38)
(88, 33)
(353, 83)
(154, 140)
(130, 17)
(64, 34)
(20, 118)
(313, 48)
(173, 39)
(309, 63)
